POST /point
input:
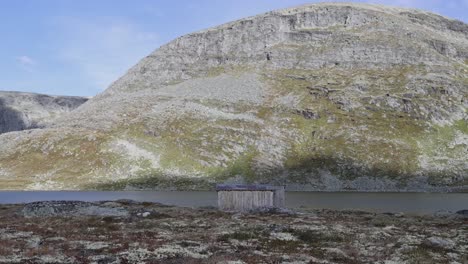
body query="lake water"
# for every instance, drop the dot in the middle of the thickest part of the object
(417, 203)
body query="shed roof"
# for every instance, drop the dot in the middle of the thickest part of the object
(245, 187)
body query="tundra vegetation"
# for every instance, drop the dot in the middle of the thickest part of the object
(130, 232)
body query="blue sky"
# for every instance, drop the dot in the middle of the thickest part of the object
(78, 47)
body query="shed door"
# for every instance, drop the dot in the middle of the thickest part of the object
(244, 200)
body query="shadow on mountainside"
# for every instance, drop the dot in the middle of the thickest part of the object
(10, 119)
(305, 172)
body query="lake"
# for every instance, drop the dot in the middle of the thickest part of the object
(417, 203)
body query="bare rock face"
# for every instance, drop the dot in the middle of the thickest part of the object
(21, 111)
(328, 96)
(308, 37)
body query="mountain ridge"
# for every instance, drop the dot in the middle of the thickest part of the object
(321, 97)
(23, 111)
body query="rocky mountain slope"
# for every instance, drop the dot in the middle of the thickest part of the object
(330, 96)
(21, 111)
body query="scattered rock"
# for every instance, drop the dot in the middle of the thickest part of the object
(126, 202)
(443, 213)
(34, 242)
(438, 242)
(308, 114)
(70, 208)
(400, 215)
(283, 236)
(95, 245)
(273, 210)
(462, 212)
(337, 254)
(145, 214)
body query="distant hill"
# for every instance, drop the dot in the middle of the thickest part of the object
(22, 111)
(330, 96)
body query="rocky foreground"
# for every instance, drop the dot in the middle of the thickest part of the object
(129, 232)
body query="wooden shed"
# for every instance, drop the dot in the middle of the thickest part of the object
(248, 197)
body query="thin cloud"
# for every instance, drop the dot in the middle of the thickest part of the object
(103, 50)
(26, 60)
(26, 63)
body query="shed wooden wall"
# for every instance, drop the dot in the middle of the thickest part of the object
(278, 198)
(244, 200)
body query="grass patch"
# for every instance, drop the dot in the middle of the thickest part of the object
(157, 182)
(286, 246)
(422, 254)
(314, 237)
(238, 235)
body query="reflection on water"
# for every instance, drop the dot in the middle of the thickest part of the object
(378, 202)
(381, 202)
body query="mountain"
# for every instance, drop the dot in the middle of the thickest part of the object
(22, 111)
(330, 96)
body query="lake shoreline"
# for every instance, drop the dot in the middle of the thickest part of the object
(126, 231)
(288, 188)
(418, 203)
